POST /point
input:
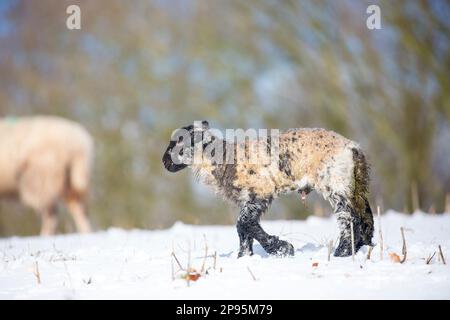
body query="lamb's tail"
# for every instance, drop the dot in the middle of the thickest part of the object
(361, 194)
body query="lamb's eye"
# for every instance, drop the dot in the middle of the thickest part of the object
(180, 139)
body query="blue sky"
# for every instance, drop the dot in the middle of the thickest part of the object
(5, 26)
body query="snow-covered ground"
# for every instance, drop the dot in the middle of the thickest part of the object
(118, 264)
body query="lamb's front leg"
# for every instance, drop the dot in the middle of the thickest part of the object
(248, 228)
(245, 241)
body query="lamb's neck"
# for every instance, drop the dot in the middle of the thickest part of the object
(210, 164)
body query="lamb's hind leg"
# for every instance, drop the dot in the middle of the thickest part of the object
(345, 215)
(248, 228)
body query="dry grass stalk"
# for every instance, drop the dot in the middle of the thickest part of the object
(404, 248)
(330, 248)
(430, 257)
(190, 273)
(215, 260)
(206, 255)
(188, 269)
(380, 233)
(369, 253)
(68, 274)
(251, 273)
(441, 254)
(177, 261)
(353, 240)
(36, 272)
(172, 267)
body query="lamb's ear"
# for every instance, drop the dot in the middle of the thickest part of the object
(205, 125)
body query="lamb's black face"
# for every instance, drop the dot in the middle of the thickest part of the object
(169, 164)
(180, 151)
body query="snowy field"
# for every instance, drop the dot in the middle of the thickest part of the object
(118, 264)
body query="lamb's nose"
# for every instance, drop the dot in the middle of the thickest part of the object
(166, 161)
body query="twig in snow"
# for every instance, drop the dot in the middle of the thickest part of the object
(215, 259)
(251, 273)
(68, 275)
(188, 279)
(369, 253)
(172, 268)
(404, 249)
(380, 233)
(441, 254)
(430, 257)
(206, 255)
(36, 272)
(330, 248)
(176, 259)
(353, 240)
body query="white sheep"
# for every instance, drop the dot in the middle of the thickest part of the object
(44, 159)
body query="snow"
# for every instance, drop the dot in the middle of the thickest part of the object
(137, 264)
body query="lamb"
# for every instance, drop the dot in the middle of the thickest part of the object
(307, 159)
(44, 159)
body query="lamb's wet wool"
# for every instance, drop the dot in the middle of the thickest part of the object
(309, 159)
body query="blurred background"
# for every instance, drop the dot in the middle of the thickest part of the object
(138, 70)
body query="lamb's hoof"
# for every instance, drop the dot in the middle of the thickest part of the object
(245, 253)
(285, 249)
(342, 251)
(279, 247)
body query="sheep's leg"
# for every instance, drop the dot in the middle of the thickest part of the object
(346, 215)
(367, 224)
(249, 228)
(49, 222)
(245, 245)
(78, 213)
(245, 240)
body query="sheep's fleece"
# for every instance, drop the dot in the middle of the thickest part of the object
(44, 159)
